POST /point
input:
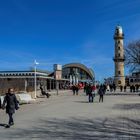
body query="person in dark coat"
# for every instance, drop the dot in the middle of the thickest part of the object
(11, 103)
(101, 92)
(43, 92)
(0, 103)
(89, 92)
(121, 88)
(125, 88)
(114, 87)
(85, 88)
(74, 89)
(77, 89)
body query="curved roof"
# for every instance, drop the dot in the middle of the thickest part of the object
(81, 66)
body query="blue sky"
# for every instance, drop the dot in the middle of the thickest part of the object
(64, 31)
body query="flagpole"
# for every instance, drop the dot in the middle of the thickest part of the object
(35, 80)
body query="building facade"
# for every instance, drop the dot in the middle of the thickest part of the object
(77, 72)
(119, 58)
(25, 80)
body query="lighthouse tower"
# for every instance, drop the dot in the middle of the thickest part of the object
(119, 58)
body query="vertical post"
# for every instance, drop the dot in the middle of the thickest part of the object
(50, 84)
(53, 84)
(25, 85)
(46, 84)
(57, 86)
(35, 63)
(35, 82)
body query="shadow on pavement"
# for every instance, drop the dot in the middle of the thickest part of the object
(81, 101)
(86, 102)
(81, 129)
(127, 106)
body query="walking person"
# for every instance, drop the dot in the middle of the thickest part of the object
(85, 86)
(121, 88)
(101, 93)
(77, 89)
(74, 89)
(114, 87)
(43, 92)
(86, 89)
(0, 103)
(125, 88)
(89, 92)
(11, 103)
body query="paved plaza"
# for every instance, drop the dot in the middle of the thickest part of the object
(68, 117)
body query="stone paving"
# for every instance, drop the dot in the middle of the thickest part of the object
(68, 117)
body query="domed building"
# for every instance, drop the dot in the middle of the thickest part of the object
(77, 72)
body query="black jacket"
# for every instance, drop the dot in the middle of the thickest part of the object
(89, 90)
(11, 103)
(0, 102)
(101, 91)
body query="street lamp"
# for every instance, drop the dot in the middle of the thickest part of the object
(35, 65)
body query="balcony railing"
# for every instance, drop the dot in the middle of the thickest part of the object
(119, 59)
(118, 36)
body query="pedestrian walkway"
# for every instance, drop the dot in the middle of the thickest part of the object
(68, 117)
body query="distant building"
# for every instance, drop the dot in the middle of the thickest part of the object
(79, 72)
(109, 81)
(134, 79)
(24, 80)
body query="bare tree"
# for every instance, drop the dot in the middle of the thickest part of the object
(132, 55)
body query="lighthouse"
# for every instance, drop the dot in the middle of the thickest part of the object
(119, 58)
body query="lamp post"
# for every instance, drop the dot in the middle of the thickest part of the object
(35, 65)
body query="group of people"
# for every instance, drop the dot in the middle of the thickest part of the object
(134, 88)
(11, 104)
(90, 91)
(75, 89)
(111, 87)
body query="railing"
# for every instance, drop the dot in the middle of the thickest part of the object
(119, 59)
(118, 36)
